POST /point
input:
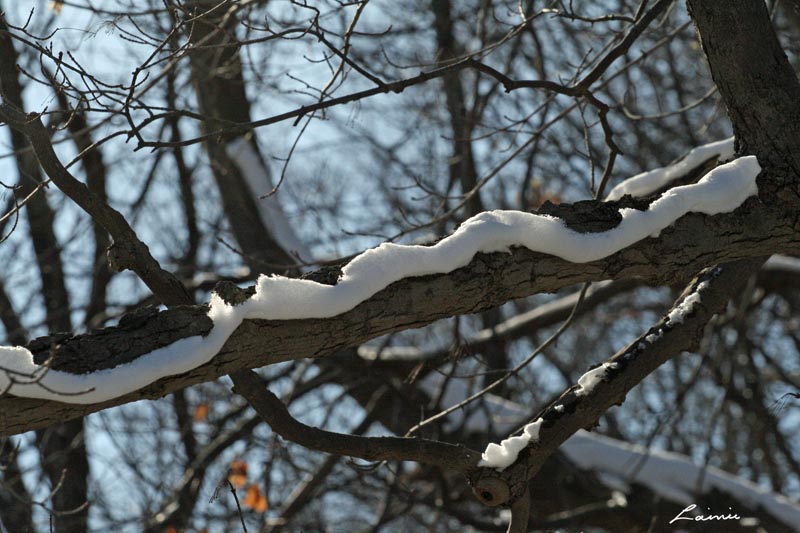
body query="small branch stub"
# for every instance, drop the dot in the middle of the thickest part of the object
(492, 491)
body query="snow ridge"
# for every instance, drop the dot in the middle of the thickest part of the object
(648, 182)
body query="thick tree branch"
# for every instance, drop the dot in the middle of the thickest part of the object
(525, 324)
(757, 83)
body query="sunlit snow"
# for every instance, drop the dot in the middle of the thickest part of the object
(648, 182)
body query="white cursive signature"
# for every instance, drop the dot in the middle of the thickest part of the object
(704, 518)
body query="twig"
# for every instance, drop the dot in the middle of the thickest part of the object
(238, 507)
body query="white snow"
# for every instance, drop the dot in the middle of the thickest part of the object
(672, 475)
(679, 312)
(500, 456)
(258, 180)
(653, 337)
(588, 381)
(279, 298)
(653, 180)
(783, 262)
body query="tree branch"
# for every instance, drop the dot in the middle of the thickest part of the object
(274, 412)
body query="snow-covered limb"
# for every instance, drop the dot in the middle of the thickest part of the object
(500, 456)
(638, 186)
(279, 298)
(581, 405)
(489, 280)
(618, 464)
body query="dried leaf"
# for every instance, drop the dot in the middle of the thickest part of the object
(254, 499)
(201, 412)
(237, 474)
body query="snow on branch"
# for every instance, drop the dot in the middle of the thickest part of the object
(638, 186)
(501, 456)
(507, 466)
(649, 182)
(619, 465)
(279, 298)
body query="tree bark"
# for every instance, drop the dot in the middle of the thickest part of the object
(758, 85)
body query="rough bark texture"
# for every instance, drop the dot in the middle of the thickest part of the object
(758, 85)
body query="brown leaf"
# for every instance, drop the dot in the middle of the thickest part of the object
(237, 474)
(201, 412)
(254, 499)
